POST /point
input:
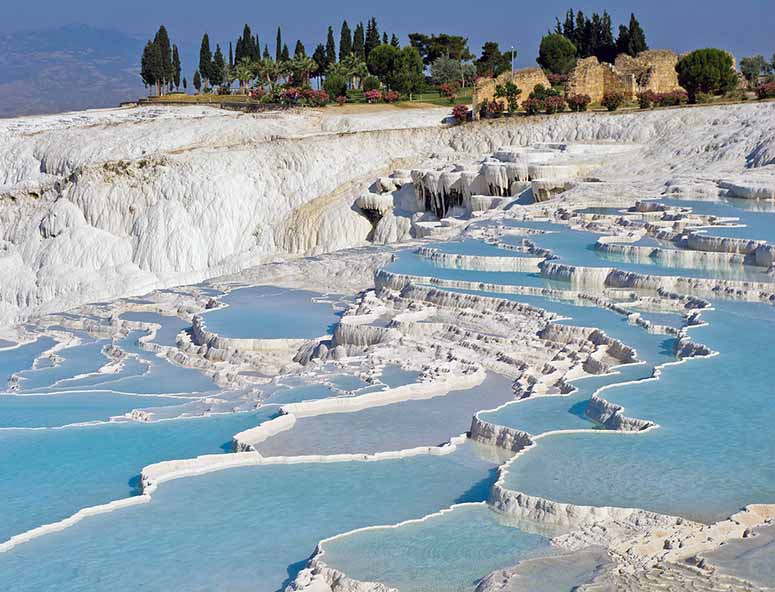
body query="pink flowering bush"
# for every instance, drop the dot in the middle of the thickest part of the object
(373, 96)
(391, 96)
(460, 112)
(579, 103)
(341, 100)
(554, 104)
(766, 91)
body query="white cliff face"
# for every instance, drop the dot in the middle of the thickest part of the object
(101, 204)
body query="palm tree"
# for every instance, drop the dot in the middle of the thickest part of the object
(355, 69)
(245, 71)
(270, 72)
(302, 66)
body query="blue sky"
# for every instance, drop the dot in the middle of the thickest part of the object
(744, 26)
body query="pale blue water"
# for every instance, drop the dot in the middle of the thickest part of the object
(81, 359)
(757, 216)
(36, 411)
(170, 326)
(471, 246)
(714, 451)
(56, 472)
(267, 312)
(752, 558)
(247, 529)
(21, 358)
(445, 553)
(394, 376)
(404, 425)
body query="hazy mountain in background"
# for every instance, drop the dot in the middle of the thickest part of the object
(68, 68)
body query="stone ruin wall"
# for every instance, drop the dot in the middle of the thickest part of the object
(652, 70)
(526, 80)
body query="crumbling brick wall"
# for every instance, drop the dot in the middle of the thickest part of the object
(526, 80)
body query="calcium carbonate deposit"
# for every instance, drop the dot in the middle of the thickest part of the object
(325, 352)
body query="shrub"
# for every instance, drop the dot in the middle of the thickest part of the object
(341, 100)
(316, 98)
(706, 71)
(391, 96)
(449, 90)
(648, 99)
(766, 91)
(460, 113)
(557, 79)
(494, 108)
(291, 95)
(510, 92)
(335, 85)
(533, 106)
(257, 93)
(612, 100)
(557, 54)
(371, 83)
(372, 96)
(672, 99)
(554, 105)
(579, 102)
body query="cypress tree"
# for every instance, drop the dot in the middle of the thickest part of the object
(197, 81)
(569, 26)
(372, 36)
(384, 39)
(359, 42)
(162, 40)
(394, 41)
(345, 42)
(286, 55)
(330, 48)
(147, 70)
(218, 70)
(637, 37)
(278, 53)
(607, 49)
(299, 51)
(231, 56)
(176, 66)
(623, 40)
(578, 41)
(185, 84)
(320, 59)
(266, 53)
(205, 59)
(256, 49)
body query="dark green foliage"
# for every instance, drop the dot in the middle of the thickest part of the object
(345, 42)
(432, 47)
(185, 84)
(594, 36)
(151, 67)
(382, 61)
(247, 46)
(175, 66)
(162, 40)
(753, 67)
(359, 42)
(231, 55)
(330, 49)
(335, 85)
(706, 71)
(540, 92)
(285, 55)
(278, 53)
(299, 51)
(510, 92)
(266, 53)
(372, 37)
(218, 68)
(409, 76)
(320, 60)
(197, 81)
(394, 41)
(493, 62)
(385, 40)
(205, 59)
(557, 54)
(371, 83)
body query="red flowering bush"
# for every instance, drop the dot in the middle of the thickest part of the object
(647, 99)
(257, 93)
(341, 100)
(556, 79)
(495, 108)
(554, 104)
(391, 96)
(579, 103)
(673, 98)
(766, 90)
(612, 100)
(460, 112)
(291, 95)
(449, 90)
(373, 96)
(533, 106)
